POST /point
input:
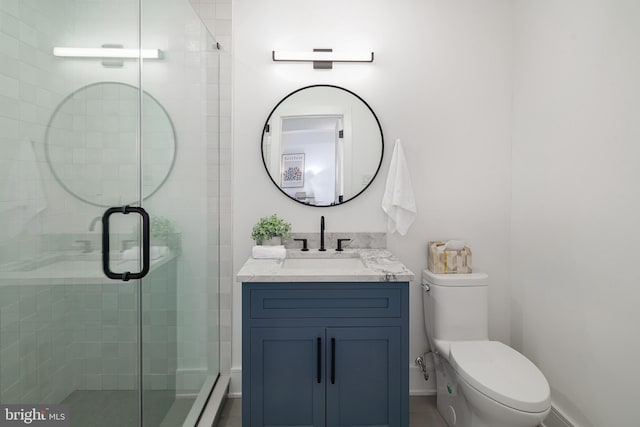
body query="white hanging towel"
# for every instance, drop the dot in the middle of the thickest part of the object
(398, 201)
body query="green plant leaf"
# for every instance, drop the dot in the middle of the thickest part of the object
(269, 227)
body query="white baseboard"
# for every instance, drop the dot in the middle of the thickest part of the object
(557, 419)
(235, 386)
(186, 395)
(417, 385)
(189, 381)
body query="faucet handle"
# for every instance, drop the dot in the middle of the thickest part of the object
(304, 244)
(339, 248)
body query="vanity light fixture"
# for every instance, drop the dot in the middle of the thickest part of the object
(106, 52)
(322, 59)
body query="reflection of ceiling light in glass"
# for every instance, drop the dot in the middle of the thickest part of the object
(78, 52)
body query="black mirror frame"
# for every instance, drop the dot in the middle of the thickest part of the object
(264, 130)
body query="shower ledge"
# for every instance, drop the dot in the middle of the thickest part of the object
(69, 268)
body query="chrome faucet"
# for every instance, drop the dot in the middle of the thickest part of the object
(92, 225)
(322, 234)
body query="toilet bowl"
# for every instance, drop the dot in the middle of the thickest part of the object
(480, 383)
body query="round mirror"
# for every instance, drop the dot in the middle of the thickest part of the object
(322, 145)
(91, 144)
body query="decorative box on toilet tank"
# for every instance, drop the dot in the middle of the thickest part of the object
(447, 261)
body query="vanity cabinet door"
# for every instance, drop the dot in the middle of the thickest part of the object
(287, 377)
(364, 376)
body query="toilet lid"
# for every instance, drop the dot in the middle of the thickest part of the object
(502, 374)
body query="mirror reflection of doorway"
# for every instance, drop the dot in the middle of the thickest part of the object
(320, 140)
(354, 149)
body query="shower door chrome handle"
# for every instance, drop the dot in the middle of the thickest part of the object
(126, 276)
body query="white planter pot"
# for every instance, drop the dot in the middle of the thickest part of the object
(277, 240)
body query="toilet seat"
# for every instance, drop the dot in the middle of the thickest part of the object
(502, 374)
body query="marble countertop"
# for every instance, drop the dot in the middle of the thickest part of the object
(378, 265)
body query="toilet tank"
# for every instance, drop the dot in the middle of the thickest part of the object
(456, 306)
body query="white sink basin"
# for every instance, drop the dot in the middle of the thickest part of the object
(323, 264)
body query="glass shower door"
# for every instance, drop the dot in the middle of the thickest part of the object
(68, 150)
(82, 131)
(180, 309)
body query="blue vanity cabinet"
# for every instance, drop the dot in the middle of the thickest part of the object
(364, 386)
(325, 354)
(287, 386)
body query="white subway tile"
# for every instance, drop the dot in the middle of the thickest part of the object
(9, 45)
(9, 24)
(28, 35)
(223, 11)
(9, 86)
(9, 107)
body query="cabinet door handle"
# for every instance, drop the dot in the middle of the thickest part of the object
(319, 370)
(333, 360)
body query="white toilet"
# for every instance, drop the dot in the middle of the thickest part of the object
(480, 383)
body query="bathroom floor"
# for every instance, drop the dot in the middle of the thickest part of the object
(422, 413)
(100, 408)
(108, 408)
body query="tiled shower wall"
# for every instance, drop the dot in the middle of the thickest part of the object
(33, 337)
(217, 16)
(30, 88)
(58, 338)
(35, 344)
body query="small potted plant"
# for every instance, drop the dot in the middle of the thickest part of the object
(271, 230)
(163, 233)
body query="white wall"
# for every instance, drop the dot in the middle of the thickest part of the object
(441, 82)
(576, 204)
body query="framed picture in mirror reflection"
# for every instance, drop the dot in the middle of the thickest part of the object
(292, 170)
